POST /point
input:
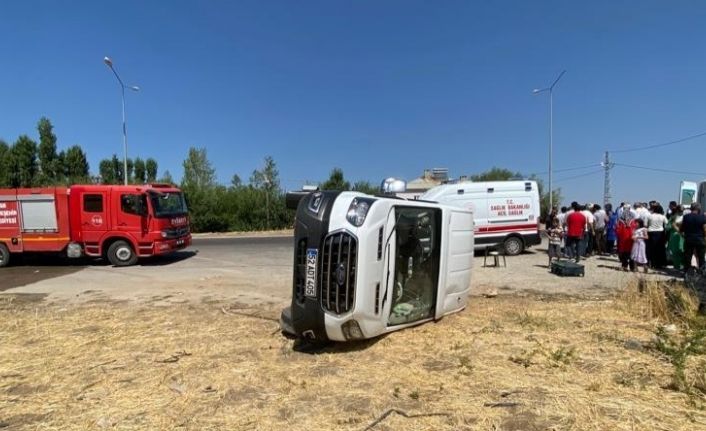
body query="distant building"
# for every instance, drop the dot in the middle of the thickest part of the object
(429, 179)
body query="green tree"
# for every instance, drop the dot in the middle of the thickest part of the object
(118, 170)
(365, 187)
(24, 166)
(105, 169)
(236, 182)
(130, 170)
(139, 175)
(336, 181)
(204, 197)
(267, 180)
(76, 165)
(544, 196)
(267, 177)
(496, 174)
(198, 172)
(166, 178)
(51, 170)
(151, 170)
(5, 164)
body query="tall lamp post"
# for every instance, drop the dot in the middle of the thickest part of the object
(109, 63)
(550, 89)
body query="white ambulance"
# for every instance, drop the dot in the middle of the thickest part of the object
(506, 213)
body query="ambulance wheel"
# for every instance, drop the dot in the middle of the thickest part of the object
(120, 253)
(513, 246)
(4, 255)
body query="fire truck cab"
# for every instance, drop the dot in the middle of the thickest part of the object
(120, 223)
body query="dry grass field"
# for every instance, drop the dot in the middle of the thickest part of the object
(505, 363)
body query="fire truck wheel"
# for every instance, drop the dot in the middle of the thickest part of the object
(120, 253)
(513, 246)
(4, 255)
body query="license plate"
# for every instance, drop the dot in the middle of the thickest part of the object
(310, 286)
(180, 242)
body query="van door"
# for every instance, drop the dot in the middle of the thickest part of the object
(94, 219)
(417, 260)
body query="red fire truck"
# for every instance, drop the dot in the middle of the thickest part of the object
(121, 223)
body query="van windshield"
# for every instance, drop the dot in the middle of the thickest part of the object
(168, 204)
(418, 245)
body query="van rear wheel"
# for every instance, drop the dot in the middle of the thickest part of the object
(4, 255)
(513, 246)
(120, 253)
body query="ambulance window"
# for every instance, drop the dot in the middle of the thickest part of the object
(93, 203)
(132, 204)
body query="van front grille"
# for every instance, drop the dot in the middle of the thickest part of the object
(339, 261)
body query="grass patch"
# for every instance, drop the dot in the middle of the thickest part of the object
(680, 331)
(196, 367)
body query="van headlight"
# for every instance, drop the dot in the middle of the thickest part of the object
(358, 211)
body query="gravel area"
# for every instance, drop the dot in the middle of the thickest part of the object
(529, 273)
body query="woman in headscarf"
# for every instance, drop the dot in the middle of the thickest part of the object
(675, 242)
(624, 232)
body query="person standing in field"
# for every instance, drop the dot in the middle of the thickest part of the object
(610, 234)
(639, 249)
(675, 242)
(575, 228)
(599, 226)
(587, 245)
(555, 234)
(656, 251)
(693, 227)
(624, 231)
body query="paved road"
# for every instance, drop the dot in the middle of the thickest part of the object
(240, 268)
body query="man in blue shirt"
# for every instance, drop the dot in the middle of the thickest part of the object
(693, 227)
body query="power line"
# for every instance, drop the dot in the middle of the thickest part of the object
(664, 144)
(658, 169)
(576, 168)
(580, 175)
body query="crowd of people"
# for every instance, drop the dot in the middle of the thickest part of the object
(642, 235)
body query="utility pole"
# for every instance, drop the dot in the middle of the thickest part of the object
(607, 165)
(550, 89)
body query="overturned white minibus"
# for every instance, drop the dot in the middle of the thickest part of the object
(367, 265)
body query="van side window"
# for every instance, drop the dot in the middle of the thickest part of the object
(93, 203)
(131, 204)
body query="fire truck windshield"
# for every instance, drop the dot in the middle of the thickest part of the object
(168, 204)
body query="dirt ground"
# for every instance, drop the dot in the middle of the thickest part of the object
(202, 351)
(506, 363)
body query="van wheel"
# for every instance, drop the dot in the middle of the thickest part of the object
(4, 255)
(120, 253)
(513, 246)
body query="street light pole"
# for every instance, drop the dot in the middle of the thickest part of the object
(550, 89)
(109, 63)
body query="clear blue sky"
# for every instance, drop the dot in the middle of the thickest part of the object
(377, 88)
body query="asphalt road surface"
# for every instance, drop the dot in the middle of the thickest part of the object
(240, 268)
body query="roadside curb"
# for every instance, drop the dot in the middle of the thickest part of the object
(231, 235)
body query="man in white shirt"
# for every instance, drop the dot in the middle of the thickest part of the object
(642, 213)
(599, 226)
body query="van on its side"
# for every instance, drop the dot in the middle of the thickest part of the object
(506, 213)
